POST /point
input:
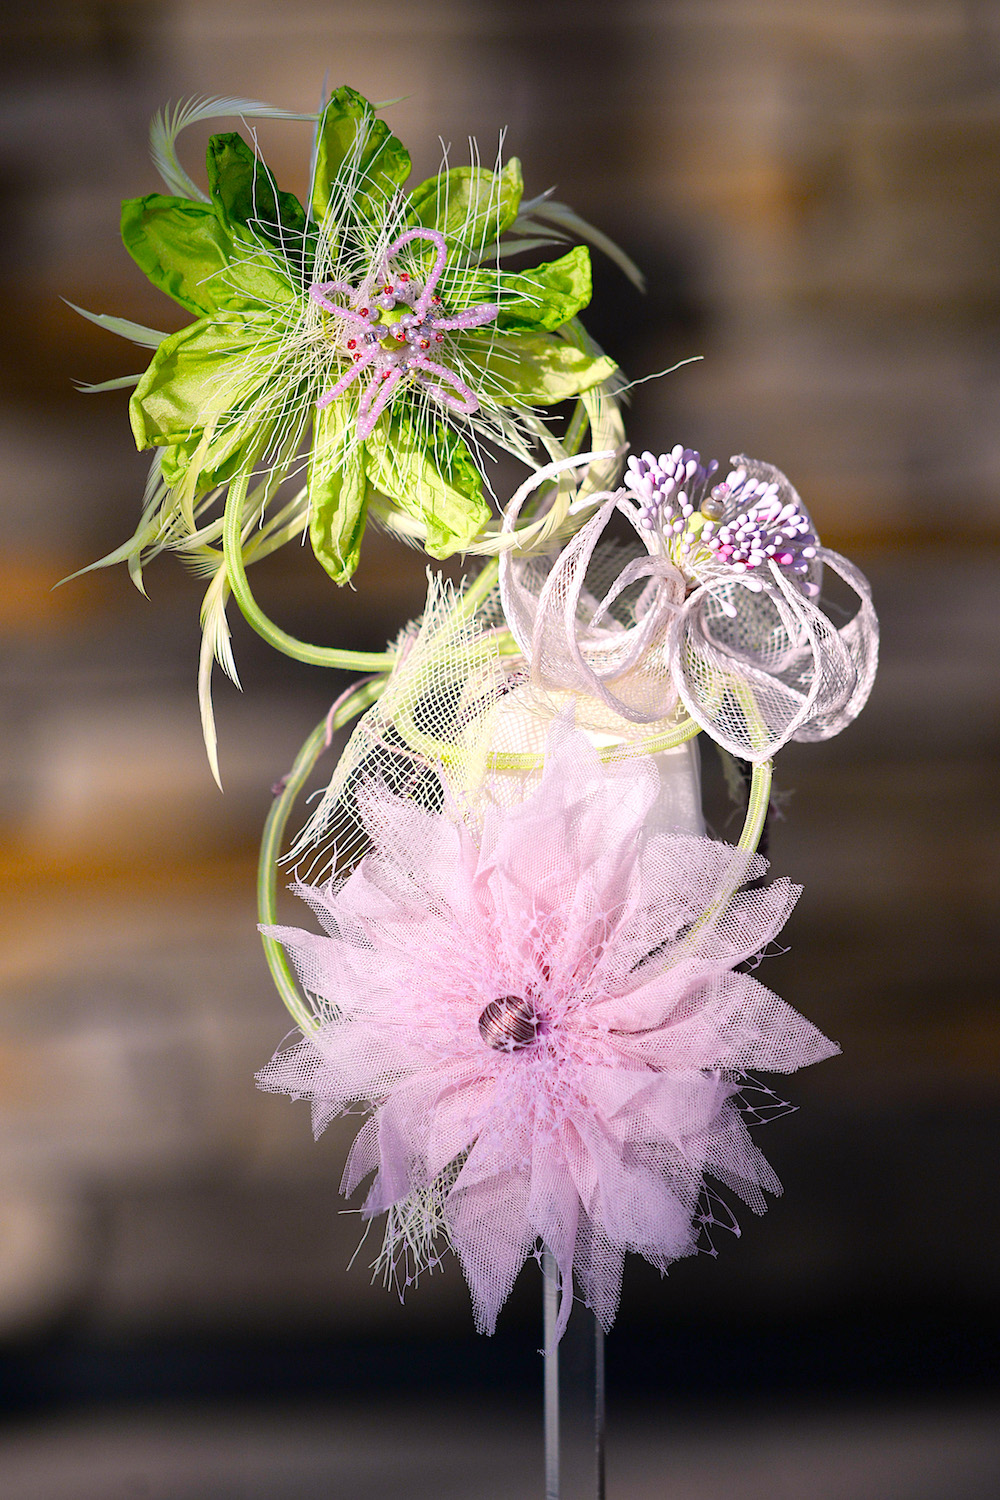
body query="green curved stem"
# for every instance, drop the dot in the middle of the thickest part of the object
(289, 645)
(479, 589)
(529, 760)
(753, 825)
(273, 839)
(760, 796)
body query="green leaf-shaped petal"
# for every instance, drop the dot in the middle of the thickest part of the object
(536, 301)
(188, 252)
(244, 192)
(470, 206)
(532, 369)
(338, 492)
(360, 164)
(208, 378)
(547, 296)
(246, 197)
(431, 475)
(182, 248)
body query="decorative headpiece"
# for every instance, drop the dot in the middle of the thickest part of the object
(532, 978)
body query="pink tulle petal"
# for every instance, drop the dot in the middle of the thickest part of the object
(739, 1025)
(402, 1130)
(362, 1159)
(731, 1157)
(457, 1115)
(554, 1214)
(598, 1265)
(488, 1225)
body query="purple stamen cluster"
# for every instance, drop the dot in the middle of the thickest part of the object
(744, 523)
(669, 490)
(755, 529)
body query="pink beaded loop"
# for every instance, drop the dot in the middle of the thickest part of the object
(390, 351)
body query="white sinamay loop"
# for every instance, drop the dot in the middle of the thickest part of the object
(754, 683)
(860, 639)
(518, 602)
(569, 649)
(728, 675)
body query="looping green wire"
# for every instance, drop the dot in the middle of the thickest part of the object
(760, 797)
(274, 835)
(288, 645)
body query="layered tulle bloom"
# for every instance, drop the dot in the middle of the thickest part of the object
(543, 1011)
(727, 625)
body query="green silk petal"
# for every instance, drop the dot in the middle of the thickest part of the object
(430, 476)
(547, 296)
(244, 192)
(359, 162)
(196, 374)
(181, 247)
(243, 432)
(207, 377)
(189, 253)
(470, 206)
(536, 301)
(338, 494)
(535, 369)
(246, 197)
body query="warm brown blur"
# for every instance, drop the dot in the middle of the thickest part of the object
(811, 189)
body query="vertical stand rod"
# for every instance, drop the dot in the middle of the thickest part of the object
(584, 1475)
(599, 1413)
(550, 1311)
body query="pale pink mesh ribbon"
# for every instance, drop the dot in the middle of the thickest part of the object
(751, 658)
(617, 944)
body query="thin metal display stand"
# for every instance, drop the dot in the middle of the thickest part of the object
(574, 1398)
(575, 1405)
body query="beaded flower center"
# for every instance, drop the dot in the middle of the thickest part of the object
(740, 523)
(392, 326)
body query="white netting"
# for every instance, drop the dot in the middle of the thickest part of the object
(460, 712)
(428, 731)
(576, 641)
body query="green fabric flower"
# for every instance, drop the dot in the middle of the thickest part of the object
(262, 381)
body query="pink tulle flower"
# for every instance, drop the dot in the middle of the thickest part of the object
(545, 1017)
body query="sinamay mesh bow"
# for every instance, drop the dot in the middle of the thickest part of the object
(531, 978)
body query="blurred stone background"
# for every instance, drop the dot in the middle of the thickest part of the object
(812, 190)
